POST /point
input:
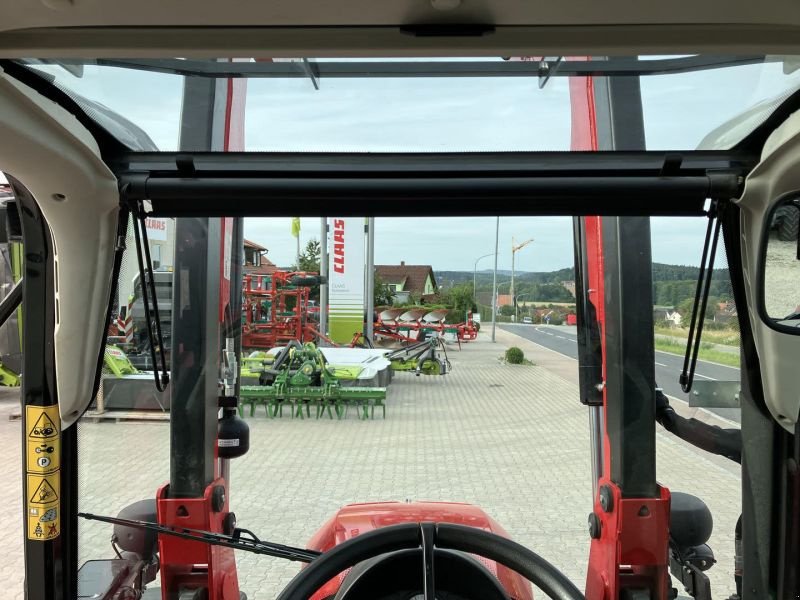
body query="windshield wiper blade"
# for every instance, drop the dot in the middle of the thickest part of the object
(242, 539)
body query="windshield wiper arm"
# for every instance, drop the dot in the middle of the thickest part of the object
(242, 539)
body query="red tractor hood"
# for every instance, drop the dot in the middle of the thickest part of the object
(355, 519)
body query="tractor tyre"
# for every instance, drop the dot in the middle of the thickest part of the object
(788, 223)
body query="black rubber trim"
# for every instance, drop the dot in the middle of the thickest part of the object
(509, 554)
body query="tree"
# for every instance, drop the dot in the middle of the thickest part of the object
(310, 257)
(459, 298)
(310, 263)
(381, 294)
(685, 308)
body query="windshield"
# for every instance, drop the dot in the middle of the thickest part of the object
(491, 417)
(428, 105)
(408, 368)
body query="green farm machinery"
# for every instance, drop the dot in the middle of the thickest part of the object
(422, 358)
(299, 377)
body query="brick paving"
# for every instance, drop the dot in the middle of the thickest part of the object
(512, 439)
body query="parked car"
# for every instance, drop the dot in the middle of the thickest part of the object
(527, 320)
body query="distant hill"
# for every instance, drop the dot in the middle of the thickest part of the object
(451, 278)
(661, 272)
(672, 284)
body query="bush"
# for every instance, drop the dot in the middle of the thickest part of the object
(454, 316)
(515, 356)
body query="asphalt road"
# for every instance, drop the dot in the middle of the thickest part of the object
(668, 366)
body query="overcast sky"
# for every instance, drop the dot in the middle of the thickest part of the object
(456, 243)
(436, 115)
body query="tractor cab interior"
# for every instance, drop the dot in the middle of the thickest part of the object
(618, 161)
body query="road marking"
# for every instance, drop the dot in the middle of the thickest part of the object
(571, 338)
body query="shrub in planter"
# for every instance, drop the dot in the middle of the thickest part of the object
(515, 356)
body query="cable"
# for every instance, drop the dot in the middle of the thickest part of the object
(686, 378)
(146, 275)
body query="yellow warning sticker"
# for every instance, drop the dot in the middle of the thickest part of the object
(44, 456)
(43, 506)
(43, 452)
(43, 489)
(44, 523)
(42, 422)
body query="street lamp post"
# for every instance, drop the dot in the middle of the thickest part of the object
(474, 275)
(503, 283)
(494, 305)
(514, 249)
(499, 285)
(494, 277)
(534, 308)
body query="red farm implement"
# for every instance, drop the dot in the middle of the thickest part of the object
(275, 309)
(417, 324)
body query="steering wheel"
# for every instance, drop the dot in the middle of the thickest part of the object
(429, 535)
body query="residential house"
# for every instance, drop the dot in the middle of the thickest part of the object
(674, 319)
(255, 259)
(725, 312)
(257, 265)
(485, 299)
(408, 281)
(504, 300)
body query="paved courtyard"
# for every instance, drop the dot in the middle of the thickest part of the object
(512, 439)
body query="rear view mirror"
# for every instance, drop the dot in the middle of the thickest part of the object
(780, 282)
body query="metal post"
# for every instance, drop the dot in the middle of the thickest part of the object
(323, 271)
(590, 355)
(195, 348)
(511, 289)
(50, 565)
(370, 288)
(233, 334)
(596, 428)
(630, 356)
(494, 279)
(474, 279)
(474, 276)
(237, 258)
(195, 318)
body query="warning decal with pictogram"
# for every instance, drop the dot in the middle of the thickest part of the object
(44, 493)
(44, 427)
(44, 522)
(43, 466)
